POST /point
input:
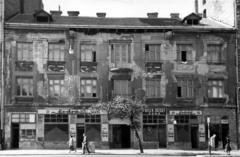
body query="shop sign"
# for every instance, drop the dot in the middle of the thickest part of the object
(170, 132)
(154, 111)
(64, 111)
(72, 130)
(224, 121)
(201, 131)
(105, 132)
(185, 112)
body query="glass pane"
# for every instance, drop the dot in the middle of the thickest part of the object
(61, 56)
(25, 90)
(215, 92)
(56, 90)
(88, 56)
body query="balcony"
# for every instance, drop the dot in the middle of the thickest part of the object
(217, 100)
(24, 65)
(88, 66)
(121, 67)
(56, 66)
(154, 67)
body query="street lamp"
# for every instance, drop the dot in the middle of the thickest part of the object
(209, 144)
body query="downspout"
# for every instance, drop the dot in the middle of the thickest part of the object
(237, 79)
(2, 76)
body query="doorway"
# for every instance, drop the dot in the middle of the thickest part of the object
(194, 136)
(121, 136)
(225, 132)
(15, 135)
(80, 131)
(162, 136)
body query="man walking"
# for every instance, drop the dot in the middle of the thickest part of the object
(71, 145)
(85, 144)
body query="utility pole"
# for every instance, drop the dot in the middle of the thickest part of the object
(2, 72)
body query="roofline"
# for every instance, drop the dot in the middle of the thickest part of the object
(31, 25)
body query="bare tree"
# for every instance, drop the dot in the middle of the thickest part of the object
(123, 108)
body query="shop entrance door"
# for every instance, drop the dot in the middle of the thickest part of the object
(15, 135)
(194, 136)
(162, 136)
(121, 136)
(225, 132)
(80, 131)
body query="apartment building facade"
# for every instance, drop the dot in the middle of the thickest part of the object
(57, 66)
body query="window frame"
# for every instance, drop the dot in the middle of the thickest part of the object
(218, 87)
(156, 52)
(83, 91)
(29, 85)
(189, 88)
(217, 53)
(189, 53)
(52, 53)
(30, 53)
(155, 85)
(128, 88)
(84, 53)
(52, 86)
(114, 52)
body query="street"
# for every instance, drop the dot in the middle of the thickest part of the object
(78, 154)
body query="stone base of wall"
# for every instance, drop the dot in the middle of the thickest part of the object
(179, 145)
(147, 145)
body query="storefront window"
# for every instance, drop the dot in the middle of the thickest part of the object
(150, 133)
(56, 127)
(27, 134)
(25, 118)
(182, 133)
(93, 132)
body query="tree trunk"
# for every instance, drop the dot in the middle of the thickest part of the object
(139, 140)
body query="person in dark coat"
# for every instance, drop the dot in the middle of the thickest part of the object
(228, 146)
(85, 144)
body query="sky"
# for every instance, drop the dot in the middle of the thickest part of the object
(122, 8)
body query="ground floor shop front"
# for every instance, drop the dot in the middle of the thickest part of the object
(172, 128)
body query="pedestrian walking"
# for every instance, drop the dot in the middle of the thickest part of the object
(212, 141)
(71, 144)
(228, 146)
(85, 144)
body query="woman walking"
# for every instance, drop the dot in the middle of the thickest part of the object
(228, 147)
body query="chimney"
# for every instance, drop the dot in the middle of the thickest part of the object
(174, 15)
(73, 13)
(56, 12)
(196, 6)
(152, 15)
(101, 14)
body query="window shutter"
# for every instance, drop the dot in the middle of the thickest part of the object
(112, 53)
(129, 53)
(189, 55)
(178, 55)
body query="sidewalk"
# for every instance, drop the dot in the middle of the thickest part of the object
(163, 152)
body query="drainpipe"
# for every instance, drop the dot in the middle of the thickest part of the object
(237, 83)
(2, 76)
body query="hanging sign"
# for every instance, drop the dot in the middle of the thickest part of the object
(185, 112)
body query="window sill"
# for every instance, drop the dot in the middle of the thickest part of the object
(84, 99)
(154, 99)
(216, 100)
(185, 100)
(23, 99)
(218, 63)
(88, 63)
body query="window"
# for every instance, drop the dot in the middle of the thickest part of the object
(152, 53)
(185, 88)
(56, 127)
(89, 88)
(192, 21)
(56, 118)
(27, 134)
(24, 51)
(56, 52)
(23, 118)
(184, 53)
(182, 133)
(214, 54)
(88, 52)
(153, 88)
(215, 89)
(122, 87)
(120, 53)
(24, 86)
(185, 119)
(155, 119)
(56, 87)
(93, 132)
(150, 133)
(93, 118)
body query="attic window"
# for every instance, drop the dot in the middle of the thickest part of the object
(42, 19)
(192, 21)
